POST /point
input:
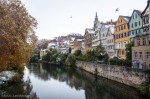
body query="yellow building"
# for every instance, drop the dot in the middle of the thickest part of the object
(122, 36)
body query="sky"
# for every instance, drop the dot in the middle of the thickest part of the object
(61, 17)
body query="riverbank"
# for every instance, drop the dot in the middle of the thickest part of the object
(125, 75)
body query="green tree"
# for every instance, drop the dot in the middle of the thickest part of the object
(90, 55)
(100, 52)
(129, 51)
(70, 61)
(78, 53)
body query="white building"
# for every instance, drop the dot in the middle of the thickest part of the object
(96, 37)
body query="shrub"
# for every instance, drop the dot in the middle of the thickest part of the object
(81, 58)
(143, 88)
(70, 61)
(78, 52)
(90, 55)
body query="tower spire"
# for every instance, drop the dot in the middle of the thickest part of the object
(96, 18)
(96, 15)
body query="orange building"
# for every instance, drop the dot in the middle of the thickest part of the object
(122, 36)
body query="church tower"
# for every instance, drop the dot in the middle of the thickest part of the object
(96, 21)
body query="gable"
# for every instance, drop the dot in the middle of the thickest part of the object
(86, 33)
(120, 21)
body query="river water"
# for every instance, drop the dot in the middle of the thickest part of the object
(45, 81)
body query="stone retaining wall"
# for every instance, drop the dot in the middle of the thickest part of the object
(125, 75)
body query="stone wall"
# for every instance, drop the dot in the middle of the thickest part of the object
(125, 75)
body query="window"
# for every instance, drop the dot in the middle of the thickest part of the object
(135, 24)
(148, 54)
(132, 25)
(124, 34)
(136, 31)
(133, 16)
(118, 35)
(139, 31)
(132, 32)
(139, 23)
(135, 54)
(124, 26)
(123, 52)
(138, 42)
(140, 54)
(144, 41)
(124, 44)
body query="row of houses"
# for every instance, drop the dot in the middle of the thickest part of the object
(63, 43)
(113, 36)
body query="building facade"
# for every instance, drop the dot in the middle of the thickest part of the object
(110, 41)
(88, 38)
(141, 49)
(97, 30)
(135, 24)
(103, 35)
(122, 36)
(77, 44)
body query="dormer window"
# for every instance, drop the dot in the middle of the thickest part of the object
(120, 20)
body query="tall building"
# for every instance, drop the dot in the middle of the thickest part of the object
(110, 41)
(141, 49)
(88, 38)
(135, 25)
(97, 29)
(122, 36)
(103, 35)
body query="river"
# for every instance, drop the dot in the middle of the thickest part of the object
(45, 81)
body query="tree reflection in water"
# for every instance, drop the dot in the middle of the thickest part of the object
(94, 87)
(20, 90)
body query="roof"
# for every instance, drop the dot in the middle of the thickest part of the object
(99, 25)
(126, 18)
(90, 31)
(137, 11)
(79, 40)
(146, 7)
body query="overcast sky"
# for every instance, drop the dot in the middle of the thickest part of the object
(61, 17)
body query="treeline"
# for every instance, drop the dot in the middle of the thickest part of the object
(99, 55)
(17, 37)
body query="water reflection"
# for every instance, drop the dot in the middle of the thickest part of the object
(20, 90)
(51, 82)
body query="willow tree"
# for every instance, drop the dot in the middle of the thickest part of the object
(17, 37)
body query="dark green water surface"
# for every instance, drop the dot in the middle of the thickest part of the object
(45, 81)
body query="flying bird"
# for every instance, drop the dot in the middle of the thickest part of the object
(117, 10)
(71, 16)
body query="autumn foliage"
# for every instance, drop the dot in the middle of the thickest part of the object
(17, 37)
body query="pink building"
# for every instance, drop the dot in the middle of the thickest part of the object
(110, 41)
